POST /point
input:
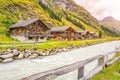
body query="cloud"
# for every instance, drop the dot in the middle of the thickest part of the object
(102, 8)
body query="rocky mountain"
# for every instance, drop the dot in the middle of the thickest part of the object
(72, 9)
(112, 24)
(53, 12)
(70, 5)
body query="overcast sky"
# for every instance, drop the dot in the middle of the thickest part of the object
(102, 8)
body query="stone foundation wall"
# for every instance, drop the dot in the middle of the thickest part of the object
(25, 39)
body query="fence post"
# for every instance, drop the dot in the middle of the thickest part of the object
(101, 61)
(80, 72)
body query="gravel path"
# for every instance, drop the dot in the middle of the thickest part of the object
(23, 68)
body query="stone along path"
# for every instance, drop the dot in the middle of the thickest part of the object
(23, 68)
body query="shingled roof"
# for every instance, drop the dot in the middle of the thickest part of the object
(78, 31)
(24, 23)
(84, 32)
(59, 29)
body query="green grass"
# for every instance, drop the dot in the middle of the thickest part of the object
(54, 44)
(118, 54)
(110, 73)
(6, 39)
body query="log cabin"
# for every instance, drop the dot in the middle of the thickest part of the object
(32, 30)
(85, 34)
(93, 35)
(77, 35)
(88, 35)
(63, 33)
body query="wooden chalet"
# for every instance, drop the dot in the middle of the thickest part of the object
(93, 35)
(85, 34)
(77, 35)
(88, 35)
(62, 33)
(29, 30)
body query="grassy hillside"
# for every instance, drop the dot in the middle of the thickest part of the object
(13, 10)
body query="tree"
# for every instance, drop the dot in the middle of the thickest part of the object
(100, 34)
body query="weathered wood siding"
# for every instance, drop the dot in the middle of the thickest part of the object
(68, 34)
(17, 31)
(36, 28)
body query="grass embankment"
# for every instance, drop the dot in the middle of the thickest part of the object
(55, 44)
(110, 73)
(6, 39)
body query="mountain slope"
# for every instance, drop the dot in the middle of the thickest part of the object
(72, 12)
(71, 6)
(53, 12)
(112, 24)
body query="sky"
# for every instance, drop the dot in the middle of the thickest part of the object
(101, 8)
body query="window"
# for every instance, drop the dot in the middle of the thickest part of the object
(41, 37)
(19, 30)
(13, 31)
(30, 38)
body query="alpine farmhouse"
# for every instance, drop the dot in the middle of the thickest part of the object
(29, 30)
(35, 30)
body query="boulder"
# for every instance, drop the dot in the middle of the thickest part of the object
(47, 53)
(7, 60)
(27, 51)
(60, 50)
(42, 53)
(1, 60)
(21, 56)
(15, 52)
(64, 49)
(33, 56)
(26, 55)
(52, 53)
(34, 51)
(6, 52)
(10, 55)
(1, 53)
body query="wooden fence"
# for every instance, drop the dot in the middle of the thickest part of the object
(79, 66)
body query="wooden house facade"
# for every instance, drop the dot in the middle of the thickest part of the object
(30, 30)
(82, 35)
(88, 35)
(85, 34)
(77, 35)
(62, 33)
(93, 35)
